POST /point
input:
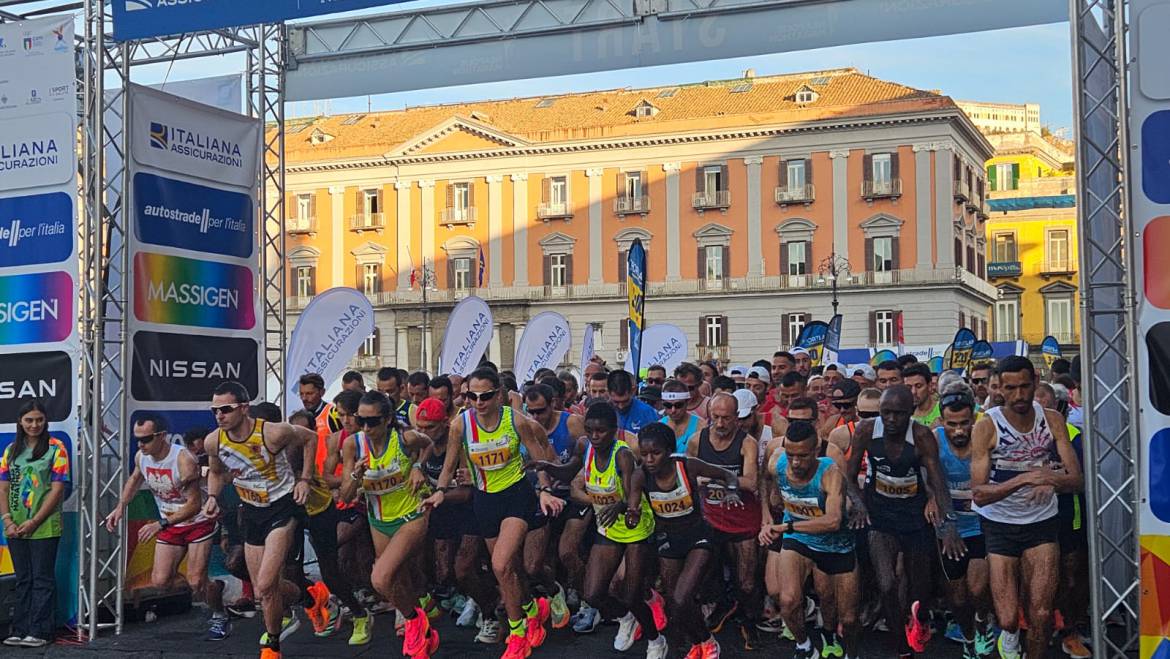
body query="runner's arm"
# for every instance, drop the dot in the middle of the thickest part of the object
(217, 474)
(984, 492)
(858, 444)
(129, 490)
(535, 439)
(1072, 479)
(577, 491)
(189, 475)
(751, 465)
(332, 458)
(697, 467)
(287, 436)
(633, 481)
(926, 444)
(350, 477)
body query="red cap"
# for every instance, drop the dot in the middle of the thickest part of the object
(431, 409)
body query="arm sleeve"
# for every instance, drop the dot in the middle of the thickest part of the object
(60, 469)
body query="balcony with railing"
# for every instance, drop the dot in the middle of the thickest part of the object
(795, 194)
(457, 215)
(710, 200)
(631, 205)
(365, 363)
(367, 222)
(297, 302)
(1058, 267)
(961, 191)
(871, 190)
(554, 210)
(720, 353)
(300, 225)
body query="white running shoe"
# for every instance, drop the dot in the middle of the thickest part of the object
(489, 630)
(468, 615)
(657, 649)
(628, 629)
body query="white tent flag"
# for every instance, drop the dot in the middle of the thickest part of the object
(544, 344)
(663, 344)
(587, 347)
(328, 334)
(469, 331)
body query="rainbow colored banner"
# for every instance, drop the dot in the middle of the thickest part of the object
(36, 308)
(173, 290)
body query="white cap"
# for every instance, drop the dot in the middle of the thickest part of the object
(760, 374)
(866, 371)
(798, 351)
(746, 401)
(738, 369)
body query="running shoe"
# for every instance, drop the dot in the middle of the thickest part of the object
(880, 625)
(628, 628)
(418, 631)
(696, 652)
(1074, 647)
(586, 620)
(771, 625)
(724, 609)
(333, 619)
(984, 641)
(657, 649)
(559, 609)
(917, 633)
(269, 653)
(534, 627)
(807, 653)
(751, 637)
(489, 630)
(711, 649)
(31, 641)
(786, 633)
(468, 615)
(288, 625)
(517, 648)
(658, 609)
(954, 633)
(831, 646)
(1006, 653)
(13, 641)
(362, 629)
(430, 606)
(969, 650)
(573, 598)
(399, 623)
(219, 628)
(319, 597)
(242, 609)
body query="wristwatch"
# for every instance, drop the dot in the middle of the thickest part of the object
(164, 523)
(788, 527)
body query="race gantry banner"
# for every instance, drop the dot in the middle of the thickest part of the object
(544, 344)
(194, 314)
(468, 334)
(636, 294)
(39, 343)
(139, 19)
(1150, 210)
(329, 333)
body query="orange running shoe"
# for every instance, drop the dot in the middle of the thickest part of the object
(658, 609)
(917, 632)
(696, 651)
(316, 612)
(535, 633)
(417, 635)
(269, 653)
(711, 649)
(517, 648)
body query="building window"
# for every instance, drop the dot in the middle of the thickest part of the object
(883, 254)
(370, 204)
(1004, 176)
(713, 179)
(1004, 247)
(796, 175)
(558, 190)
(461, 268)
(882, 172)
(633, 185)
(371, 278)
(306, 281)
(797, 258)
(1056, 251)
(714, 331)
(558, 270)
(370, 345)
(714, 260)
(884, 327)
(460, 196)
(1007, 319)
(304, 208)
(794, 324)
(1058, 312)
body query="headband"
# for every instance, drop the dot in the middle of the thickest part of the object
(676, 395)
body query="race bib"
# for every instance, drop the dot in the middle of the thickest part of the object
(896, 487)
(491, 456)
(383, 481)
(803, 508)
(961, 500)
(253, 492)
(670, 504)
(716, 494)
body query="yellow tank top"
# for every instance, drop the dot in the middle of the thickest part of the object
(386, 481)
(260, 476)
(493, 456)
(604, 487)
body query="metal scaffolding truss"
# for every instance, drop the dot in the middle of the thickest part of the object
(103, 445)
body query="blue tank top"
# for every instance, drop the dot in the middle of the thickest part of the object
(680, 443)
(561, 442)
(958, 474)
(806, 502)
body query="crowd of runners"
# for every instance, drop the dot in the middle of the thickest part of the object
(771, 499)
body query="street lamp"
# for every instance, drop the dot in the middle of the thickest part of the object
(833, 267)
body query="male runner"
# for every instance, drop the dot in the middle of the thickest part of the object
(889, 373)
(490, 435)
(353, 381)
(782, 362)
(598, 386)
(802, 362)
(917, 376)
(251, 455)
(173, 476)
(632, 413)
(980, 378)
(1014, 482)
(417, 387)
(684, 424)
(692, 376)
(390, 382)
(902, 459)
(865, 408)
(655, 376)
(311, 391)
(812, 495)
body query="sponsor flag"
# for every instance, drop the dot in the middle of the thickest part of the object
(482, 266)
(662, 344)
(833, 338)
(1050, 350)
(882, 356)
(469, 331)
(636, 294)
(961, 348)
(329, 333)
(981, 352)
(935, 363)
(544, 344)
(812, 338)
(588, 349)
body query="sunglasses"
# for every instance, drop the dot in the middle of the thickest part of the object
(693, 387)
(655, 381)
(844, 405)
(483, 395)
(674, 406)
(225, 409)
(868, 415)
(142, 441)
(537, 410)
(979, 380)
(369, 421)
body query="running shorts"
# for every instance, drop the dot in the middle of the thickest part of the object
(675, 545)
(259, 522)
(492, 508)
(323, 530)
(827, 562)
(1014, 539)
(452, 521)
(954, 570)
(388, 529)
(188, 534)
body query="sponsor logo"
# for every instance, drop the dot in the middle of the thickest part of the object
(29, 154)
(45, 376)
(177, 291)
(196, 145)
(36, 308)
(59, 44)
(32, 41)
(135, 5)
(36, 229)
(58, 91)
(337, 336)
(185, 367)
(479, 327)
(190, 216)
(547, 349)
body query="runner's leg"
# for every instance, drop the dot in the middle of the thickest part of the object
(1039, 567)
(164, 574)
(883, 552)
(569, 549)
(1005, 591)
(681, 593)
(636, 561)
(796, 569)
(846, 587)
(507, 564)
(265, 563)
(211, 591)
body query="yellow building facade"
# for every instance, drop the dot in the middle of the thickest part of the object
(1032, 250)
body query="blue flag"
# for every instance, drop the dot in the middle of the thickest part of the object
(482, 267)
(812, 338)
(961, 348)
(636, 294)
(1050, 350)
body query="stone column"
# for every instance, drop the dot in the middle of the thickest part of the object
(755, 236)
(922, 211)
(405, 256)
(673, 232)
(841, 203)
(495, 257)
(944, 209)
(520, 228)
(595, 263)
(336, 235)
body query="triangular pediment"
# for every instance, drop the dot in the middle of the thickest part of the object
(557, 239)
(457, 135)
(1057, 288)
